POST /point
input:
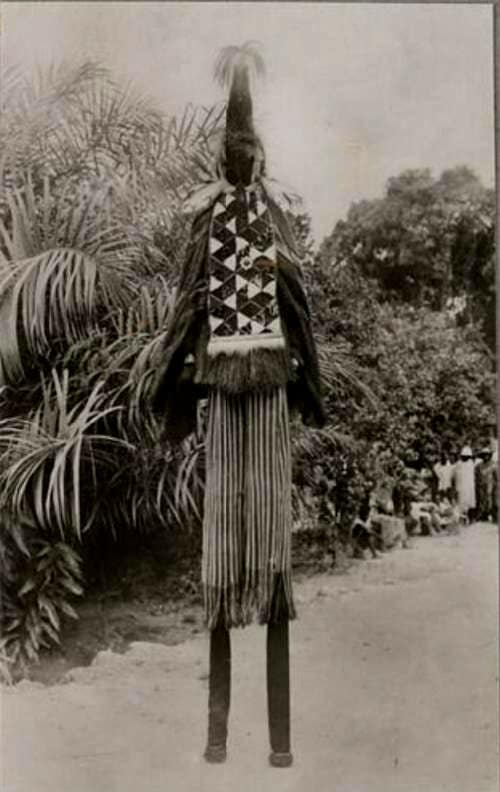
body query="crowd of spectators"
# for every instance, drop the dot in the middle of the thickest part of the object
(430, 498)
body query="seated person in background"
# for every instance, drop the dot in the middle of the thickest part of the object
(404, 492)
(387, 526)
(424, 515)
(362, 535)
(447, 513)
(422, 508)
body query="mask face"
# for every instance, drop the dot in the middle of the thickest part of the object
(244, 162)
(239, 167)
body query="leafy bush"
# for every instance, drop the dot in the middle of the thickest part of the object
(428, 375)
(41, 578)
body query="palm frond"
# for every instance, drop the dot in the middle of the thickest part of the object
(50, 297)
(109, 151)
(338, 369)
(189, 483)
(85, 123)
(29, 126)
(316, 443)
(11, 79)
(65, 261)
(42, 459)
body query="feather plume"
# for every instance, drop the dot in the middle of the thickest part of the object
(231, 59)
(243, 151)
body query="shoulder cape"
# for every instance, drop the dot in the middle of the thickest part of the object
(175, 392)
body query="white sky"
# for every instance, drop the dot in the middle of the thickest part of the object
(354, 93)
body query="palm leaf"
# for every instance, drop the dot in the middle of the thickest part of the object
(42, 459)
(315, 443)
(52, 296)
(34, 108)
(189, 482)
(52, 293)
(11, 79)
(338, 368)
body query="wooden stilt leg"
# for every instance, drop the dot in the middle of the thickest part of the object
(219, 693)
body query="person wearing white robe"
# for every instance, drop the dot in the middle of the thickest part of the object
(464, 483)
(443, 470)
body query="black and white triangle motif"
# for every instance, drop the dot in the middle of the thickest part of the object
(215, 244)
(242, 289)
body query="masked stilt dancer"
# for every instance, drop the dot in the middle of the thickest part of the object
(240, 336)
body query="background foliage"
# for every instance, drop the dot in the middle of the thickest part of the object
(426, 242)
(91, 234)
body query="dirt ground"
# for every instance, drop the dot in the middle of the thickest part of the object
(394, 689)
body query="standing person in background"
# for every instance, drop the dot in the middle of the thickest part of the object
(478, 489)
(486, 480)
(443, 471)
(240, 334)
(427, 478)
(464, 481)
(453, 462)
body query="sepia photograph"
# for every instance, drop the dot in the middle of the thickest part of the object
(248, 408)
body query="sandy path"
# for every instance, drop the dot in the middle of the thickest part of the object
(394, 690)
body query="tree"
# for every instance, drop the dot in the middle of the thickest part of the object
(426, 242)
(428, 381)
(436, 385)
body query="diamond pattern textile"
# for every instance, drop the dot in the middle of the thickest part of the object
(242, 301)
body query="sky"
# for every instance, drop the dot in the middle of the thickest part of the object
(354, 93)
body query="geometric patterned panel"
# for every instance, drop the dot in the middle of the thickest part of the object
(242, 266)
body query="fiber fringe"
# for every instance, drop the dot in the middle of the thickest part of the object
(246, 558)
(271, 603)
(244, 344)
(234, 373)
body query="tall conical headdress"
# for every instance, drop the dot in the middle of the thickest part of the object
(242, 147)
(240, 157)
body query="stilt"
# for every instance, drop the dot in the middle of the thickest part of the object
(278, 691)
(219, 695)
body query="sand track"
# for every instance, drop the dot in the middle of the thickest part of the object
(394, 675)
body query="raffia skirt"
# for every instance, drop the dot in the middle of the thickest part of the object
(246, 561)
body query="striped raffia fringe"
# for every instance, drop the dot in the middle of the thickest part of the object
(259, 368)
(243, 344)
(247, 516)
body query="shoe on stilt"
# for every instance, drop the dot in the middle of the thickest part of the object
(284, 759)
(215, 754)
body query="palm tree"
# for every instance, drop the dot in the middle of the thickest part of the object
(92, 183)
